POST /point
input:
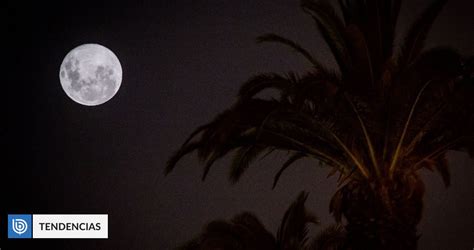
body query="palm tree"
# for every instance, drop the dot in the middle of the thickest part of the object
(377, 120)
(245, 231)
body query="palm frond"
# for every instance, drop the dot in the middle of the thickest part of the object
(295, 157)
(198, 130)
(396, 154)
(370, 32)
(331, 238)
(184, 150)
(244, 231)
(292, 233)
(270, 37)
(416, 35)
(318, 129)
(319, 153)
(242, 141)
(242, 160)
(368, 140)
(445, 101)
(331, 27)
(261, 82)
(362, 76)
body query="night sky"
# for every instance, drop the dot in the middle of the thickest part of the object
(183, 62)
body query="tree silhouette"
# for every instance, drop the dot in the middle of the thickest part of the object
(245, 231)
(382, 116)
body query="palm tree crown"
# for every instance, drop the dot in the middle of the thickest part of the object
(384, 114)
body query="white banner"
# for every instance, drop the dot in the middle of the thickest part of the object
(70, 226)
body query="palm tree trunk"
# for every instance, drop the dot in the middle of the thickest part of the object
(388, 236)
(383, 215)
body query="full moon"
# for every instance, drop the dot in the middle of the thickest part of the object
(90, 74)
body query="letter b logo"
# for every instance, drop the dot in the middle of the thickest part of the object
(19, 226)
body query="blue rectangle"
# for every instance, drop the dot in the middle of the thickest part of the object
(19, 226)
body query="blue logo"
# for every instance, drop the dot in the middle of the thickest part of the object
(19, 226)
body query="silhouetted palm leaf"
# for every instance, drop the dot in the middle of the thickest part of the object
(295, 157)
(245, 231)
(243, 158)
(293, 231)
(261, 82)
(331, 28)
(295, 46)
(331, 238)
(416, 36)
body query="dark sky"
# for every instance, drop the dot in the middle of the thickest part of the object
(183, 62)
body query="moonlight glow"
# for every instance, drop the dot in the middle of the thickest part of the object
(90, 74)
